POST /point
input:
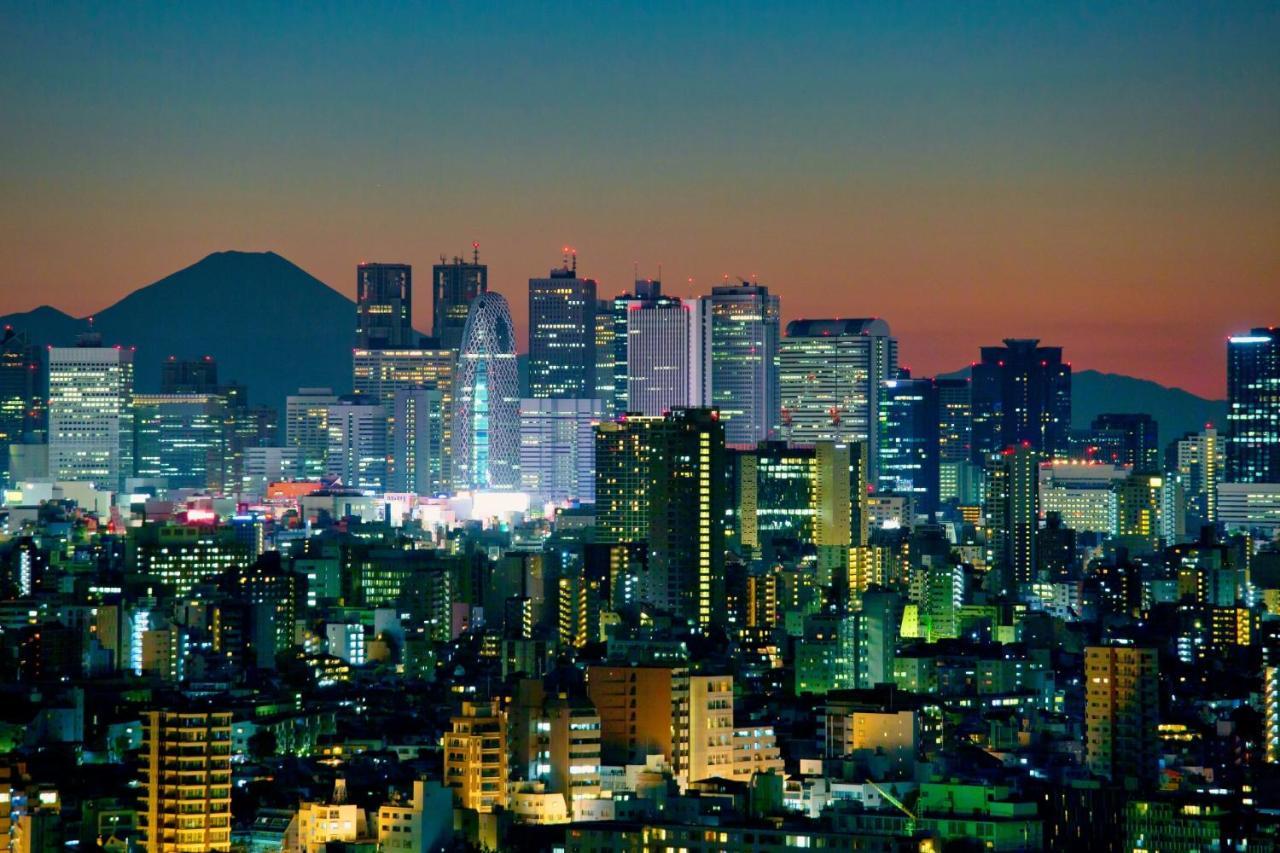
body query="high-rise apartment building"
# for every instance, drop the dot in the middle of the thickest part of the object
(384, 306)
(185, 764)
(745, 322)
(454, 285)
(1021, 394)
(1013, 516)
(831, 373)
(562, 335)
(91, 414)
(1122, 713)
(306, 428)
(557, 449)
(1253, 407)
(668, 354)
(1198, 463)
(486, 400)
(475, 756)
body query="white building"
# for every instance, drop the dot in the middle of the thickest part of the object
(358, 445)
(557, 449)
(668, 354)
(263, 465)
(419, 442)
(306, 427)
(1250, 506)
(346, 641)
(830, 373)
(91, 415)
(1083, 493)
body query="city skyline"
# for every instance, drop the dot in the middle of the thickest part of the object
(941, 168)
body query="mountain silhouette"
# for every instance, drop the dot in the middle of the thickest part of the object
(269, 324)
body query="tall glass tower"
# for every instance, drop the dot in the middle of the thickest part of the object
(486, 413)
(744, 361)
(1253, 407)
(454, 285)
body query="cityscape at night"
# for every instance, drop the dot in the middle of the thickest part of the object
(640, 427)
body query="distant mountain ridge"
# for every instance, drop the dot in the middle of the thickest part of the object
(275, 328)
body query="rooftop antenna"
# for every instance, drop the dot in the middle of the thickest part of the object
(635, 270)
(564, 257)
(475, 252)
(575, 261)
(659, 272)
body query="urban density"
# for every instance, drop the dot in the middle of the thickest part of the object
(670, 574)
(612, 427)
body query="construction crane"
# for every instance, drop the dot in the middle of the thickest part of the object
(911, 818)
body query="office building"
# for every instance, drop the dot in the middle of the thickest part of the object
(557, 449)
(357, 454)
(1253, 407)
(908, 433)
(455, 284)
(1136, 437)
(189, 376)
(607, 366)
(182, 439)
(668, 353)
(1198, 463)
(306, 428)
(562, 335)
(831, 373)
(384, 306)
(1122, 714)
(419, 442)
(21, 395)
(185, 765)
(486, 401)
(1021, 395)
(91, 414)
(645, 290)
(380, 375)
(1083, 494)
(1140, 504)
(744, 361)
(1250, 507)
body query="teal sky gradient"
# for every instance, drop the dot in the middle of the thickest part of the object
(1102, 176)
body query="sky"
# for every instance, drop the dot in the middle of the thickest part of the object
(1105, 177)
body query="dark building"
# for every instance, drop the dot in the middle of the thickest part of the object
(193, 376)
(21, 395)
(1021, 395)
(1253, 407)
(908, 437)
(1134, 438)
(454, 284)
(384, 306)
(562, 335)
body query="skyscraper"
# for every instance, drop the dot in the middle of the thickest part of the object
(955, 438)
(306, 428)
(1253, 407)
(1021, 394)
(91, 414)
(183, 439)
(668, 363)
(454, 285)
(378, 375)
(607, 366)
(908, 436)
(189, 376)
(1013, 516)
(562, 335)
(1122, 713)
(21, 397)
(1198, 464)
(831, 373)
(744, 361)
(1136, 437)
(419, 442)
(557, 449)
(486, 400)
(358, 444)
(664, 481)
(645, 290)
(384, 306)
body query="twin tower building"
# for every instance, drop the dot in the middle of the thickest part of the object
(460, 422)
